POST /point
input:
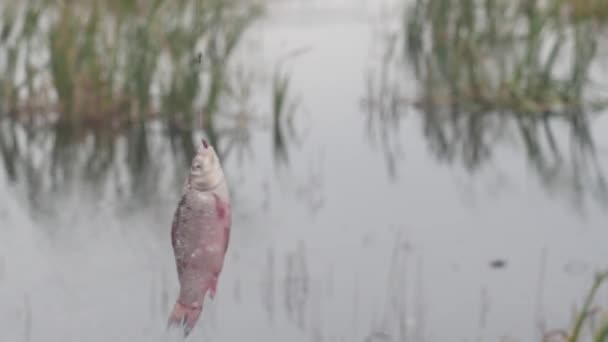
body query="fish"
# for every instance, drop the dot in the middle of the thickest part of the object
(200, 234)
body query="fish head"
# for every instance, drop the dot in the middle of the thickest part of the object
(205, 171)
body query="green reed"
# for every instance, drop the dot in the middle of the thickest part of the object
(105, 58)
(585, 318)
(498, 55)
(489, 71)
(91, 85)
(601, 334)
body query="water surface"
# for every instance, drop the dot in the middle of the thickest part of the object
(335, 246)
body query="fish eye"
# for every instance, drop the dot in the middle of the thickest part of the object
(196, 166)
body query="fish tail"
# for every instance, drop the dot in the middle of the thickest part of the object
(184, 317)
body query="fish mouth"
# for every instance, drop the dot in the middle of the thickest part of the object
(205, 144)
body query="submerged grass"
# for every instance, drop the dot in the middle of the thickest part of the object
(92, 84)
(491, 71)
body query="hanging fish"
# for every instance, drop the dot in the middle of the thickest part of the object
(199, 235)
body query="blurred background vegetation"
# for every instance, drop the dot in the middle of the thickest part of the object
(82, 81)
(107, 90)
(491, 72)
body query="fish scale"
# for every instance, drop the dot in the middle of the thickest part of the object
(199, 235)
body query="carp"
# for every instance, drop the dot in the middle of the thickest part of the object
(200, 232)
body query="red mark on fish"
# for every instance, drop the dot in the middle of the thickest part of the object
(220, 207)
(200, 232)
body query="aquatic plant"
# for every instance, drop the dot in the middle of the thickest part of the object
(599, 334)
(496, 71)
(114, 63)
(91, 84)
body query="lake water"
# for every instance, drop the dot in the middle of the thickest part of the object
(330, 248)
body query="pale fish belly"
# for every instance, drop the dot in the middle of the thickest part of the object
(202, 238)
(203, 257)
(201, 272)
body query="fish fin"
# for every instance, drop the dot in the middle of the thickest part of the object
(227, 226)
(184, 317)
(227, 239)
(175, 222)
(213, 287)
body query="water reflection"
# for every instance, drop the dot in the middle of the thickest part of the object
(268, 285)
(491, 75)
(296, 291)
(118, 92)
(376, 261)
